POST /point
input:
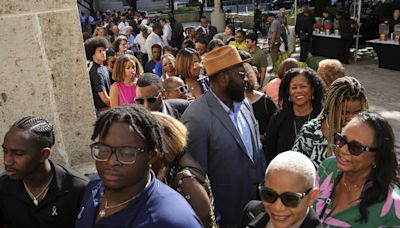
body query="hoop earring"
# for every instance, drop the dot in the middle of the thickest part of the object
(312, 97)
(289, 99)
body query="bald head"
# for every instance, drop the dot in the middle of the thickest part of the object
(174, 88)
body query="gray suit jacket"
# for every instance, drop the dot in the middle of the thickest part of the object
(216, 144)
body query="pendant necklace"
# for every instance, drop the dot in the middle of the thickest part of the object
(295, 124)
(35, 199)
(102, 212)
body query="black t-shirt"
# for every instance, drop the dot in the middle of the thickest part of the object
(59, 208)
(99, 81)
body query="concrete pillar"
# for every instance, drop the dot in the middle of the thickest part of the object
(43, 72)
(218, 16)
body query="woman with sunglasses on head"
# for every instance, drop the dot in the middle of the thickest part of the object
(345, 99)
(125, 73)
(181, 172)
(188, 64)
(301, 94)
(359, 187)
(287, 194)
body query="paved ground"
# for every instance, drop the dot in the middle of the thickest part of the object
(382, 90)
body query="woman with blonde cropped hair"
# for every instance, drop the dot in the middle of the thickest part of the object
(181, 172)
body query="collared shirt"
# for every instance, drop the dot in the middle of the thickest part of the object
(240, 123)
(59, 207)
(157, 206)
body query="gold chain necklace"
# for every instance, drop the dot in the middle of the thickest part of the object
(102, 212)
(43, 192)
(349, 188)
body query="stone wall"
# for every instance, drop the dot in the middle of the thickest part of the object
(43, 73)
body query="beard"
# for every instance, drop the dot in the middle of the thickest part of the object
(235, 91)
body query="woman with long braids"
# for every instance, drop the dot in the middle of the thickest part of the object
(346, 98)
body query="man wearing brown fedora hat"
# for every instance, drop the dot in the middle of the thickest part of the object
(224, 137)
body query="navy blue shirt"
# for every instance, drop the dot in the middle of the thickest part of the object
(157, 206)
(99, 81)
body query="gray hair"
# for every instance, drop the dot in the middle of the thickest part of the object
(294, 162)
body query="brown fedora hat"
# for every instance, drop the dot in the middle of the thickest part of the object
(221, 59)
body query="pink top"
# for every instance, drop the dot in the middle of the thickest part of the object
(272, 89)
(127, 94)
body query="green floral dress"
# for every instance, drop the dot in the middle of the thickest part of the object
(382, 214)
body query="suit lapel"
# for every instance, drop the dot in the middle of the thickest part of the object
(220, 113)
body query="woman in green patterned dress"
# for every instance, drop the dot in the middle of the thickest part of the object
(359, 187)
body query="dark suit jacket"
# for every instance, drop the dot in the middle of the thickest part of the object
(176, 107)
(216, 144)
(261, 220)
(212, 31)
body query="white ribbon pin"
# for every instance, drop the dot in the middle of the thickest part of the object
(54, 209)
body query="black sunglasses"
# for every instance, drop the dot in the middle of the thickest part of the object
(289, 199)
(151, 99)
(355, 148)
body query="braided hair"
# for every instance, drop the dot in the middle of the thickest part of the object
(341, 90)
(136, 116)
(39, 128)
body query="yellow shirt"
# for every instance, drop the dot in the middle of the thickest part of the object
(239, 46)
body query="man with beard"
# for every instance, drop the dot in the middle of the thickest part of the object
(224, 137)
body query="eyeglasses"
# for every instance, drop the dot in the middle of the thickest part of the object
(151, 99)
(125, 155)
(289, 199)
(355, 148)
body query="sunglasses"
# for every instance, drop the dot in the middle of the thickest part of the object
(151, 99)
(289, 199)
(181, 89)
(125, 155)
(355, 148)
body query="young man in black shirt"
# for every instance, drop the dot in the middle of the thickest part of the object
(98, 73)
(35, 191)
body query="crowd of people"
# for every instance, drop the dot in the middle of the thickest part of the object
(186, 135)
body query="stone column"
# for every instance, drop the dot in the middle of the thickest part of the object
(218, 16)
(43, 72)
